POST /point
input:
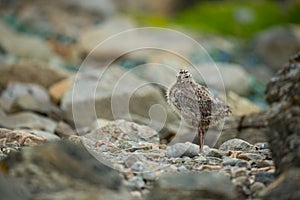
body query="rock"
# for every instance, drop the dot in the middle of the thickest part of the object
(124, 131)
(207, 185)
(9, 190)
(251, 127)
(264, 177)
(118, 96)
(25, 46)
(286, 186)
(182, 149)
(19, 138)
(28, 97)
(23, 71)
(58, 90)
(236, 145)
(63, 130)
(118, 37)
(275, 45)
(51, 18)
(90, 38)
(257, 187)
(216, 153)
(27, 120)
(103, 7)
(283, 95)
(239, 83)
(240, 105)
(230, 161)
(135, 182)
(44, 134)
(73, 173)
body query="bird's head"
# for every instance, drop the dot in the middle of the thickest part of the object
(184, 76)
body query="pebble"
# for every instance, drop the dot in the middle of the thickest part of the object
(236, 145)
(138, 166)
(182, 149)
(230, 161)
(136, 182)
(257, 187)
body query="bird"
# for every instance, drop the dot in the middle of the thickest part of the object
(196, 104)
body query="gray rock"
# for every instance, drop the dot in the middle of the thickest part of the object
(117, 96)
(257, 187)
(230, 161)
(125, 131)
(216, 153)
(73, 173)
(27, 120)
(207, 185)
(64, 130)
(286, 186)
(138, 166)
(276, 44)
(23, 71)
(264, 177)
(9, 190)
(24, 45)
(17, 138)
(239, 83)
(47, 135)
(236, 145)
(183, 149)
(136, 182)
(28, 97)
(283, 95)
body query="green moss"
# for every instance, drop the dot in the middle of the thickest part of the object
(224, 17)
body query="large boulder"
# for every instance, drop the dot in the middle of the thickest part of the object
(113, 94)
(275, 45)
(60, 170)
(283, 95)
(30, 72)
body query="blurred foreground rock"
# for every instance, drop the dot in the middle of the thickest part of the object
(203, 185)
(30, 72)
(75, 174)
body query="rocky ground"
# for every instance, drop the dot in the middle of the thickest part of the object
(57, 144)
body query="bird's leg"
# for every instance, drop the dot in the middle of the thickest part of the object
(201, 139)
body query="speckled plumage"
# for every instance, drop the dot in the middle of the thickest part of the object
(196, 104)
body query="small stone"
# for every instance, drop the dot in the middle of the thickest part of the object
(27, 120)
(150, 176)
(262, 163)
(138, 166)
(243, 163)
(58, 89)
(257, 187)
(136, 194)
(182, 149)
(135, 182)
(262, 145)
(236, 145)
(44, 134)
(131, 159)
(250, 156)
(230, 161)
(216, 153)
(182, 168)
(239, 171)
(193, 185)
(264, 177)
(241, 180)
(64, 130)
